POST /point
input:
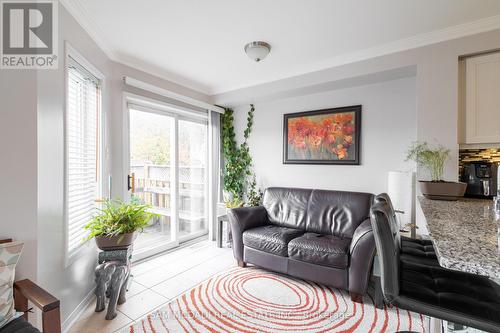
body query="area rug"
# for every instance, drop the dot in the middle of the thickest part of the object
(254, 300)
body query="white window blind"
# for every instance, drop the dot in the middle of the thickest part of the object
(82, 151)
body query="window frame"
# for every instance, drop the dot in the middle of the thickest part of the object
(70, 257)
(178, 113)
(150, 105)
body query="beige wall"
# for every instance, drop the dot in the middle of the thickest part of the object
(18, 164)
(70, 283)
(386, 130)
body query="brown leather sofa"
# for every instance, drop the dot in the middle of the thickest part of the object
(317, 235)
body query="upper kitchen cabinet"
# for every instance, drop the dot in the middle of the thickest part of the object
(480, 99)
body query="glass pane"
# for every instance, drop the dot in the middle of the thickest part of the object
(192, 178)
(150, 162)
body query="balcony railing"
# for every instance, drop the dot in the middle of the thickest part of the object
(153, 187)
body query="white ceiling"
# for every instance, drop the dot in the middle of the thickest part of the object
(200, 43)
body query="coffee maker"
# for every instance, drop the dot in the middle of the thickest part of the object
(481, 178)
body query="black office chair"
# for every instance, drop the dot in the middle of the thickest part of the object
(458, 297)
(418, 251)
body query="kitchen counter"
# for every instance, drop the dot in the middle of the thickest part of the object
(464, 234)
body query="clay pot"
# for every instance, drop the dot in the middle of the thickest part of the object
(118, 242)
(449, 191)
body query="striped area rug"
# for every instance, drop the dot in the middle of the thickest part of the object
(254, 300)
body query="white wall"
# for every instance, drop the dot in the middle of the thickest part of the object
(388, 127)
(18, 164)
(32, 162)
(73, 282)
(436, 87)
(436, 91)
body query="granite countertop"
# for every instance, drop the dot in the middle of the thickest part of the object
(464, 234)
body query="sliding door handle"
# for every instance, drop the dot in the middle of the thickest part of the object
(131, 182)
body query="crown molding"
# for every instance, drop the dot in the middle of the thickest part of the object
(81, 15)
(405, 44)
(160, 73)
(84, 19)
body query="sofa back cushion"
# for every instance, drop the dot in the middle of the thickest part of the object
(9, 255)
(287, 207)
(337, 212)
(327, 212)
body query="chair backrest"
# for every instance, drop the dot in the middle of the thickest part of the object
(336, 213)
(393, 219)
(387, 250)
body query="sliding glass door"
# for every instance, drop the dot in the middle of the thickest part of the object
(168, 171)
(192, 179)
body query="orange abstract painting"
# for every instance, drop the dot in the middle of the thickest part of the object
(323, 137)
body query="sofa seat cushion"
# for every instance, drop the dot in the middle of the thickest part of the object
(320, 249)
(462, 292)
(270, 238)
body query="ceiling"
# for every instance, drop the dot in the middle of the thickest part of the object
(199, 44)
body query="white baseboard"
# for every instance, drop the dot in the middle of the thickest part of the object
(75, 315)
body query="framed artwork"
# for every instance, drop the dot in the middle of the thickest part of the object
(330, 136)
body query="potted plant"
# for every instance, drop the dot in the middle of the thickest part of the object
(117, 224)
(233, 203)
(433, 159)
(254, 196)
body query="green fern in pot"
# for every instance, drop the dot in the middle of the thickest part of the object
(433, 160)
(117, 223)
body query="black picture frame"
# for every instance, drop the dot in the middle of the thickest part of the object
(356, 109)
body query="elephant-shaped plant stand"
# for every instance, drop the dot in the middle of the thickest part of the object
(111, 276)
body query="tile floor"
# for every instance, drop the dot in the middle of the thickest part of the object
(156, 282)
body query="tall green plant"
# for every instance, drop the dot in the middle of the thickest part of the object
(237, 158)
(431, 159)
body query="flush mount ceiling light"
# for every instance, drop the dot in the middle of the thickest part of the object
(257, 50)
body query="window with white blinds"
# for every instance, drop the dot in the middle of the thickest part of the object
(82, 131)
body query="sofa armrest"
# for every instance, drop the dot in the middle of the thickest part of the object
(362, 251)
(242, 219)
(26, 290)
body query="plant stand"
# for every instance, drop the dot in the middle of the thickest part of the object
(220, 228)
(112, 275)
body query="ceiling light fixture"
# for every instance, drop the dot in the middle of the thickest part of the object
(257, 50)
